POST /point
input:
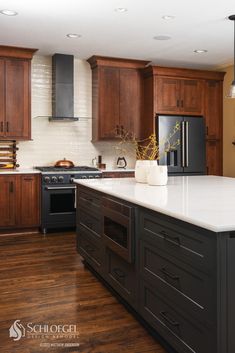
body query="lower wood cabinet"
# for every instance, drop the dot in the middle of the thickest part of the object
(19, 201)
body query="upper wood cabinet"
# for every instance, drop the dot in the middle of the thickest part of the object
(19, 201)
(179, 96)
(116, 97)
(176, 91)
(214, 109)
(15, 93)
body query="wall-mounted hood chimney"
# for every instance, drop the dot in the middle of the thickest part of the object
(62, 88)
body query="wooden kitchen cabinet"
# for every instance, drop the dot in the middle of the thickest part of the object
(15, 93)
(19, 201)
(29, 200)
(186, 92)
(179, 96)
(7, 201)
(116, 97)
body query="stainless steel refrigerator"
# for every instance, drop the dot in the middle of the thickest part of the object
(185, 150)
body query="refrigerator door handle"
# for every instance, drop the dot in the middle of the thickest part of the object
(183, 143)
(186, 144)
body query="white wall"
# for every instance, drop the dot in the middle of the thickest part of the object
(52, 141)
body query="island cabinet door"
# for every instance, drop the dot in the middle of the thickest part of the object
(180, 330)
(7, 201)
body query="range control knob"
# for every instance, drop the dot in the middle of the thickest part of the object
(61, 179)
(54, 179)
(47, 179)
(84, 177)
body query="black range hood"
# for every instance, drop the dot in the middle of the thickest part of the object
(63, 88)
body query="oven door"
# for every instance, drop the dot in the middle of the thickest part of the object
(58, 206)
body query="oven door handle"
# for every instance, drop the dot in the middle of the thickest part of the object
(60, 187)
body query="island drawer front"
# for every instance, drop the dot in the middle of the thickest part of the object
(90, 221)
(121, 276)
(197, 249)
(184, 335)
(90, 250)
(117, 206)
(192, 290)
(89, 200)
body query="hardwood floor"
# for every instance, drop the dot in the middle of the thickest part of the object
(42, 281)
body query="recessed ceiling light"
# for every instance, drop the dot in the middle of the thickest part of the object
(121, 9)
(168, 17)
(73, 35)
(200, 51)
(162, 37)
(9, 12)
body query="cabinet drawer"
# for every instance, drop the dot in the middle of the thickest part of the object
(184, 335)
(91, 252)
(91, 222)
(117, 207)
(190, 289)
(121, 276)
(184, 243)
(89, 200)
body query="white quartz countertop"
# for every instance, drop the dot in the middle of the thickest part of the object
(19, 171)
(205, 201)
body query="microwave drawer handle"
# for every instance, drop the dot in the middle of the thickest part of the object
(167, 237)
(171, 321)
(60, 187)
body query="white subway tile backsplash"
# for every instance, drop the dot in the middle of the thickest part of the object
(55, 140)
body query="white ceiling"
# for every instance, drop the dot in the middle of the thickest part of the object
(198, 24)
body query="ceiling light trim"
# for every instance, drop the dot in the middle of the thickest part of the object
(8, 12)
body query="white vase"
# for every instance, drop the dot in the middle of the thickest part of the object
(157, 175)
(142, 170)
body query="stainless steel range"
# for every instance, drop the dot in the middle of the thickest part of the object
(58, 208)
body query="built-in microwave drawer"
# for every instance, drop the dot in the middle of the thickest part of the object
(194, 247)
(191, 289)
(183, 333)
(121, 276)
(118, 228)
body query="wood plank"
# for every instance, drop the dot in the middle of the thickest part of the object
(43, 280)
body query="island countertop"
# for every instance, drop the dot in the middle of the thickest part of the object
(205, 201)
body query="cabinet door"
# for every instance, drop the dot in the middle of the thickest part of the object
(7, 201)
(167, 95)
(29, 201)
(130, 101)
(2, 97)
(213, 108)
(17, 99)
(214, 157)
(191, 102)
(108, 102)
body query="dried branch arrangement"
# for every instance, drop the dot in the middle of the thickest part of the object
(148, 148)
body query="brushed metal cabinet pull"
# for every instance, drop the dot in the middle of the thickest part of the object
(171, 321)
(183, 144)
(186, 144)
(169, 274)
